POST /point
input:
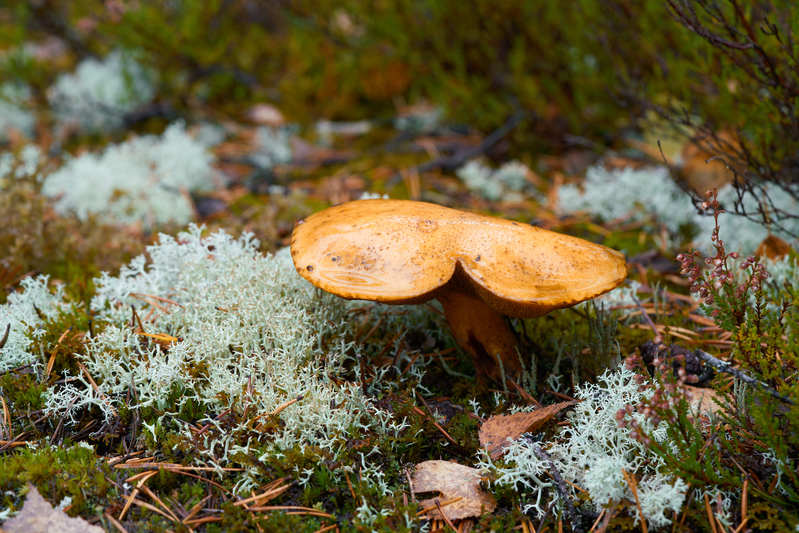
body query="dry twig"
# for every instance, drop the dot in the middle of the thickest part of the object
(571, 512)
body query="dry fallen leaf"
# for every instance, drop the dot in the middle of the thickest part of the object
(498, 431)
(457, 484)
(773, 247)
(703, 400)
(38, 516)
(702, 170)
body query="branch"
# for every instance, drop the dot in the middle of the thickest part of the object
(724, 366)
(452, 162)
(456, 160)
(571, 512)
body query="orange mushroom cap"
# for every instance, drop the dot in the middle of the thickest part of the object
(401, 251)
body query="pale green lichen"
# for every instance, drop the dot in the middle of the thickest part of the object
(146, 179)
(251, 332)
(273, 146)
(99, 93)
(649, 194)
(14, 110)
(23, 316)
(507, 183)
(592, 452)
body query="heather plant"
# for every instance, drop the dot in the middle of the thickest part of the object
(746, 54)
(748, 452)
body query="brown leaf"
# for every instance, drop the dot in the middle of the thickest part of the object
(702, 170)
(773, 247)
(703, 400)
(498, 431)
(454, 482)
(38, 516)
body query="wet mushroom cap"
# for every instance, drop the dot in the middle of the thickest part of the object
(401, 251)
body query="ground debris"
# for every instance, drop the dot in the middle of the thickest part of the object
(38, 516)
(461, 495)
(499, 431)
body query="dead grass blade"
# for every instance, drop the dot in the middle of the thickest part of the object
(133, 494)
(265, 496)
(634, 488)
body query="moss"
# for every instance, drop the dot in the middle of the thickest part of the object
(22, 391)
(574, 343)
(58, 472)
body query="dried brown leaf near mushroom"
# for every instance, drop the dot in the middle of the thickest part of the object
(499, 431)
(458, 488)
(480, 268)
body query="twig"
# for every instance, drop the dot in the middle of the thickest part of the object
(195, 509)
(157, 500)
(115, 523)
(657, 338)
(349, 484)
(96, 388)
(634, 488)
(134, 319)
(445, 517)
(176, 467)
(51, 362)
(561, 485)
(4, 444)
(153, 508)
(710, 516)
(523, 393)
(6, 425)
(133, 495)
(5, 335)
(745, 501)
(452, 162)
(723, 366)
(267, 495)
(294, 509)
(718, 364)
(598, 518)
(203, 520)
(438, 505)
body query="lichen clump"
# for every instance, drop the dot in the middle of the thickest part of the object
(22, 316)
(592, 453)
(99, 93)
(650, 194)
(247, 331)
(147, 179)
(14, 113)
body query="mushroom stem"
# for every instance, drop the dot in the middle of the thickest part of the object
(481, 331)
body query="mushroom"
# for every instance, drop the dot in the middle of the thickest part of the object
(479, 268)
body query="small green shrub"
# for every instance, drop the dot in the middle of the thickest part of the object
(755, 437)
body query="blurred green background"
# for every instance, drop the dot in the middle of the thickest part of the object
(586, 72)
